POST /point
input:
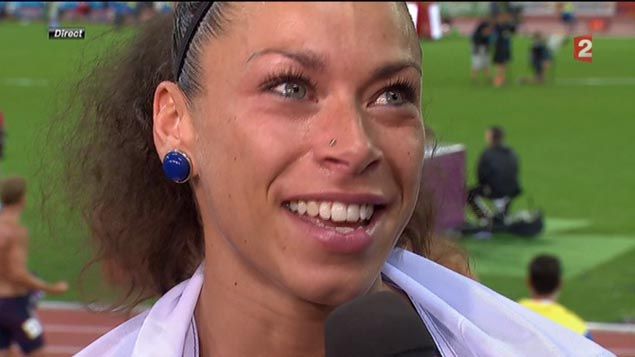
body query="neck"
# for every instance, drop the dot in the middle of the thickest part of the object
(12, 213)
(553, 297)
(241, 313)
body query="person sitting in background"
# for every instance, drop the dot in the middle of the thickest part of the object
(17, 285)
(545, 284)
(498, 169)
(480, 49)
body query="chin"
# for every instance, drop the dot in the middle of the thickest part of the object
(333, 288)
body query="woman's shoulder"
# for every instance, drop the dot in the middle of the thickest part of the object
(119, 341)
(164, 330)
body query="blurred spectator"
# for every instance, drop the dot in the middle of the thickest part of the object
(505, 7)
(540, 57)
(125, 12)
(503, 31)
(498, 169)
(480, 49)
(567, 15)
(545, 282)
(163, 7)
(498, 7)
(145, 11)
(54, 14)
(57, 12)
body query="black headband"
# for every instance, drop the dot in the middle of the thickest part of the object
(191, 31)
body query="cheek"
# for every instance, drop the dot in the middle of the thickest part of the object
(242, 151)
(404, 151)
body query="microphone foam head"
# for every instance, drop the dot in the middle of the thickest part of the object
(378, 324)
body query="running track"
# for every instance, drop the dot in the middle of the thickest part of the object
(69, 328)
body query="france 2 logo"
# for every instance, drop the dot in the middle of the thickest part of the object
(582, 48)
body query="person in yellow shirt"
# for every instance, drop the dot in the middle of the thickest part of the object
(545, 283)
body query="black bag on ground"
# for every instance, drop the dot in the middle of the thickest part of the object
(526, 224)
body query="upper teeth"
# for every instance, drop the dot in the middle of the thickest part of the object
(334, 211)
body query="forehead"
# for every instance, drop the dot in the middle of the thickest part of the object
(358, 30)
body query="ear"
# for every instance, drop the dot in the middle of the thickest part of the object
(172, 121)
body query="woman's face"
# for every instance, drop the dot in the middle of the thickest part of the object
(309, 142)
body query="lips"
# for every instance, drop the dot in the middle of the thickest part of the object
(339, 224)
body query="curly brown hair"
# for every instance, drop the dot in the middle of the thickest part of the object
(146, 230)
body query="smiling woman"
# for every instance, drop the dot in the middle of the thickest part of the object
(293, 142)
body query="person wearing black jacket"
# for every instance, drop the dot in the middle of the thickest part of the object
(540, 57)
(504, 28)
(498, 169)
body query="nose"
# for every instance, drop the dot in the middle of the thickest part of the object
(344, 143)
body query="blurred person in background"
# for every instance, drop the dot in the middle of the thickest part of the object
(481, 49)
(121, 13)
(545, 283)
(498, 179)
(3, 10)
(540, 59)
(504, 28)
(54, 13)
(567, 15)
(18, 286)
(163, 7)
(145, 11)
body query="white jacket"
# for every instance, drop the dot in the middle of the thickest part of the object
(464, 317)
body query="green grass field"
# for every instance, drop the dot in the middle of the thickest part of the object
(573, 140)
(574, 137)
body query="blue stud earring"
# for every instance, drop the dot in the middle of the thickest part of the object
(177, 166)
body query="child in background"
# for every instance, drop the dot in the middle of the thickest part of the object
(540, 57)
(545, 283)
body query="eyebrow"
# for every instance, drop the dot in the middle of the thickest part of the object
(391, 69)
(307, 59)
(316, 62)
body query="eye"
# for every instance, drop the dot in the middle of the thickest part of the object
(391, 97)
(292, 90)
(399, 93)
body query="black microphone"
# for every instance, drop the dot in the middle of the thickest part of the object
(379, 324)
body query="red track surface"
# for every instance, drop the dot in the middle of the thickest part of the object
(67, 331)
